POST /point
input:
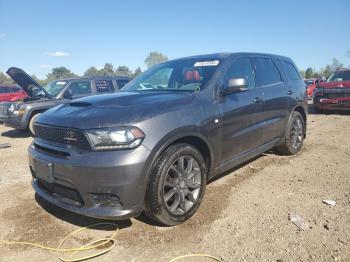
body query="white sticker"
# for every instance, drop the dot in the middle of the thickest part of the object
(60, 83)
(207, 63)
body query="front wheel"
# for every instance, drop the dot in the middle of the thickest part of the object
(32, 122)
(176, 186)
(294, 136)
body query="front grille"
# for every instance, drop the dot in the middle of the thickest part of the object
(336, 95)
(62, 191)
(4, 107)
(62, 136)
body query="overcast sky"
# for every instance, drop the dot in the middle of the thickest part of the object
(39, 35)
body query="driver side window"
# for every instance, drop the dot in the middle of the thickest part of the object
(241, 68)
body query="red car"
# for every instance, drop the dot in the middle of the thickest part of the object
(11, 93)
(310, 86)
(335, 93)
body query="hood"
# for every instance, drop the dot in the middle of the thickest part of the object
(124, 108)
(343, 84)
(28, 84)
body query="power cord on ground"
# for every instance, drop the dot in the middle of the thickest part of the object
(109, 242)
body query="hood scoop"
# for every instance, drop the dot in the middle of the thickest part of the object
(80, 104)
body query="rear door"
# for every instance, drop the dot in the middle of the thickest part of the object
(104, 86)
(241, 113)
(5, 93)
(275, 92)
(79, 88)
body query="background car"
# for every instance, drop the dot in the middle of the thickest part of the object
(11, 93)
(22, 115)
(335, 93)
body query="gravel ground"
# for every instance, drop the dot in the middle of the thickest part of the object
(244, 215)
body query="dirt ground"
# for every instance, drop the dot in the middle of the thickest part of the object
(244, 215)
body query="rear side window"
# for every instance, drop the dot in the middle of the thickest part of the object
(5, 90)
(266, 72)
(104, 86)
(122, 83)
(80, 88)
(289, 70)
(16, 89)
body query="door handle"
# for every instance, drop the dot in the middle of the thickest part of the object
(290, 92)
(257, 100)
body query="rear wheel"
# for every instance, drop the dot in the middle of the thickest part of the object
(176, 186)
(294, 137)
(31, 123)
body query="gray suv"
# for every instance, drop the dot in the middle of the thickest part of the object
(152, 147)
(22, 115)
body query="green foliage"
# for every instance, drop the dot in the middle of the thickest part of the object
(59, 73)
(137, 72)
(155, 58)
(4, 79)
(123, 71)
(309, 73)
(336, 64)
(92, 71)
(302, 72)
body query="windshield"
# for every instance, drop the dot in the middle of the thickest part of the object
(55, 87)
(339, 76)
(186, 75)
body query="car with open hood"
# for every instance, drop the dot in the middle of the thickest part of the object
(11, 93)
(22, 115)
(334, 94)
(154, 146)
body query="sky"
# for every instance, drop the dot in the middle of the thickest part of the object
(39, 35)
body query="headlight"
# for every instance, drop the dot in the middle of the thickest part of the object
(11, 108)
(115, 138)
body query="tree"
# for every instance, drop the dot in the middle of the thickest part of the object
(108, 69)
(123, 71)
(137, 72)
(155, 58)
(4, 79)
(302, 72)
(336, 64)
(327, 71)
(309, 73)
(92, 71)
(60, 73)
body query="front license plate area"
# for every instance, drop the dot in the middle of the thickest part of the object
(44, 170)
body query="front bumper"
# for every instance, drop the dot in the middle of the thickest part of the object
(71, 179)
(9, 119)
(332, 103)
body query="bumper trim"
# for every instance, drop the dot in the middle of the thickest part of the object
(95, 211)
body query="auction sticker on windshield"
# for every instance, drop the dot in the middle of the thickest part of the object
(207, 63)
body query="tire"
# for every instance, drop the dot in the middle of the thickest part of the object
(31, 123)
(176, 187)
(294, 135)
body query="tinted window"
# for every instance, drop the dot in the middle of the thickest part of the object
(339, 76)
(122, 83)
(291, 73)
(16, 89)
(266, 73)
(5, 90)
(80, 88)
(104, 86)
(241, 68)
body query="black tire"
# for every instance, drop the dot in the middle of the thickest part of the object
(156, 206)
(294, 137)
(31, 123)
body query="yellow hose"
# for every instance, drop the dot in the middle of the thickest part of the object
(92, 245)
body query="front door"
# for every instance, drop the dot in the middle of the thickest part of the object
(241, 113)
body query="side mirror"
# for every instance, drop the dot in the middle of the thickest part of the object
(235, 85)
(68, 94)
